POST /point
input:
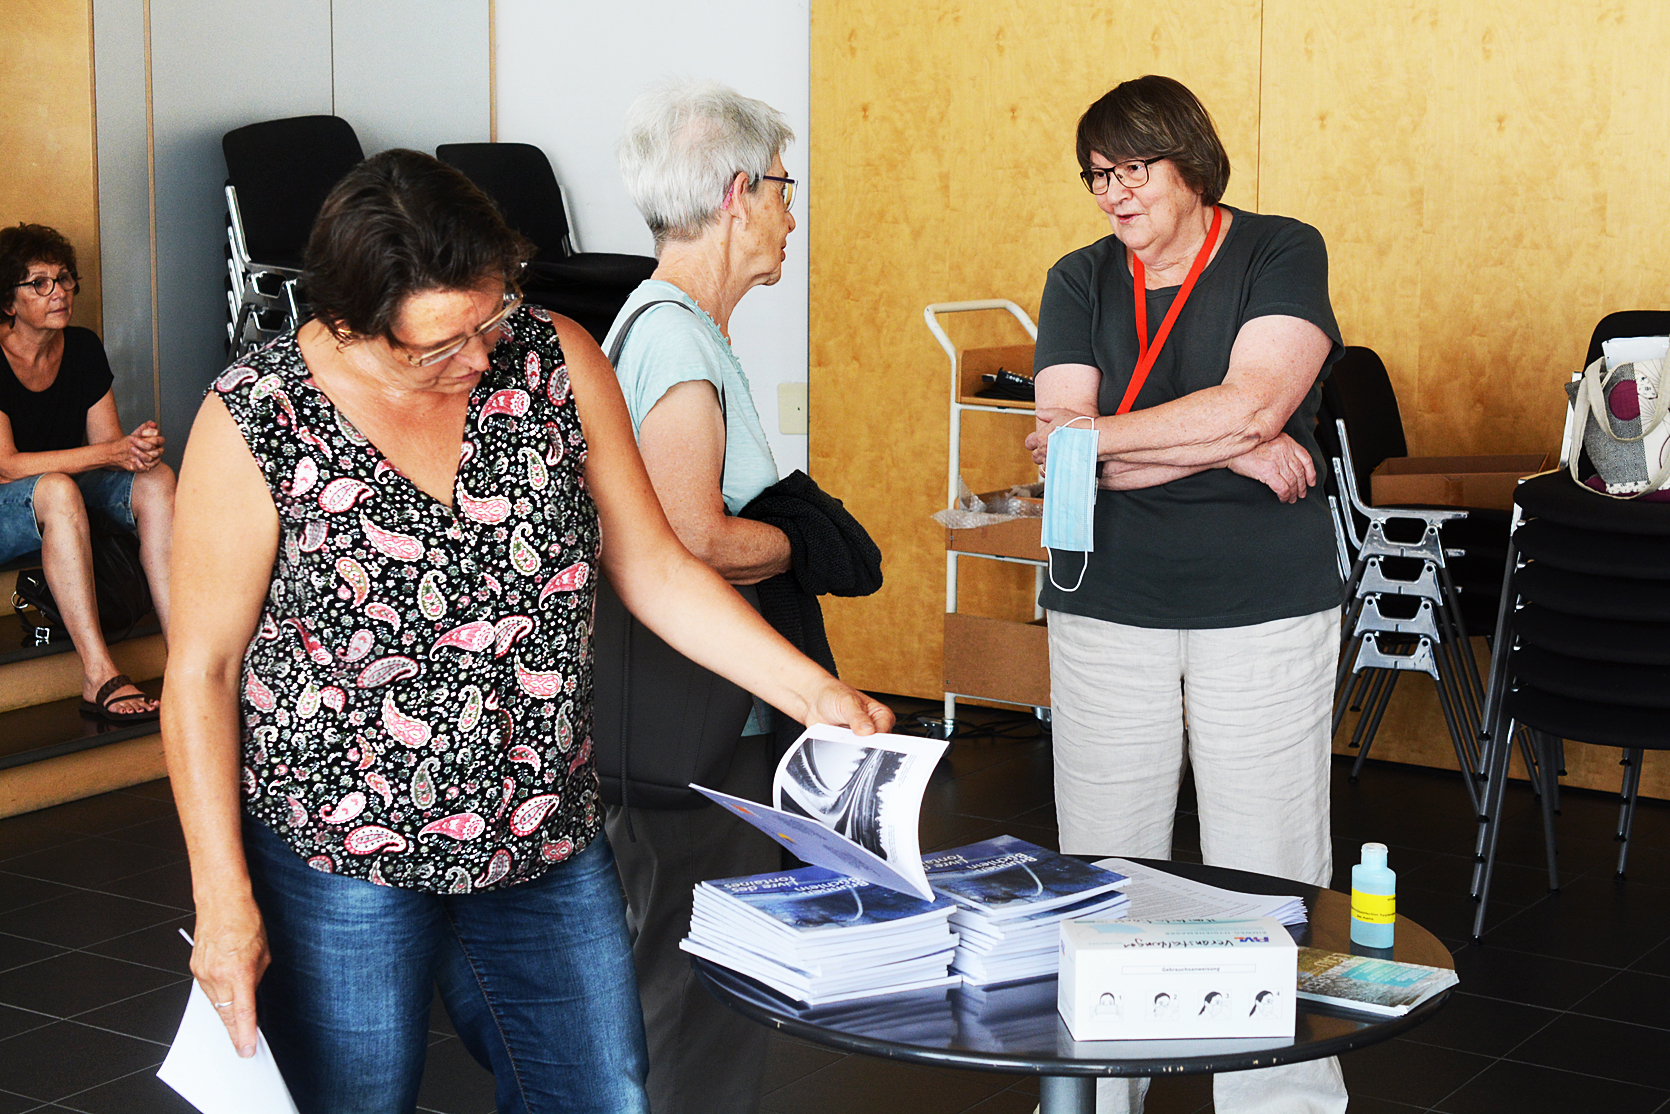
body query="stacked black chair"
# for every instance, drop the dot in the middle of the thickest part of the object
(590, 287)
(1582, 648)
(278, 174)
(1418, 579)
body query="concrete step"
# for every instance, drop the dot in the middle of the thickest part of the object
(39, 675)
(42, 731)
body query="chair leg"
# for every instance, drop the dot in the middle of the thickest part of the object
(1370, 683)
(1356, 689)
(1490, 819)
(1545, 776)
(1461, 755)
(1531, 753)
(1626, 811)
(1371, 718)
(1559, 772)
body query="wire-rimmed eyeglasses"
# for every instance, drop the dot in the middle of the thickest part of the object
(512, 299)
(43, 285)
(787, 188)
(1131, 173)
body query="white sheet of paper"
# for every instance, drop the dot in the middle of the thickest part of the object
(1627, 350)
(816, 844)
(1158, 896)
(207, 1071)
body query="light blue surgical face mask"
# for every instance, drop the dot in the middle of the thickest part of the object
(1070, 495)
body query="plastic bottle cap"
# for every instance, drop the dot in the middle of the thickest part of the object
(1374, 854)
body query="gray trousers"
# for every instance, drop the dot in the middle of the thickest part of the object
(704, 1057)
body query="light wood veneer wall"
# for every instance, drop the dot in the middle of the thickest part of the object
(1486, 177)
(47, 174)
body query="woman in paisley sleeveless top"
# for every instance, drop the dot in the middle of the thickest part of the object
(378, 712)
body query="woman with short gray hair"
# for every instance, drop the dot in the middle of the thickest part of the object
(683, 144)
(705, 167)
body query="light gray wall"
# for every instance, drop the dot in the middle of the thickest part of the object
(215, 66)
(124, 204)
(568, 69)
(410, 73)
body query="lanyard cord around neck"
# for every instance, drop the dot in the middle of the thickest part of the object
(1148, 353)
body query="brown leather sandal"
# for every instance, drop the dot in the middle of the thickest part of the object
(99, 706)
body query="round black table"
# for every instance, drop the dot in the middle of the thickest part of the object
(1015, 1028)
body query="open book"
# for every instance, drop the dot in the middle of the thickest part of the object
(849, 803)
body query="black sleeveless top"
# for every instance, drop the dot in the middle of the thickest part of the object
(416, 702)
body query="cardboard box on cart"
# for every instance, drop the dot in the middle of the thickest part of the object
(1452, 481)
(1134, 980)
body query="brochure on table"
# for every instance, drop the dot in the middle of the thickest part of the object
(1364, 984)
(849, 803)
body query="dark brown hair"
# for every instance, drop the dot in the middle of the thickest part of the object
(400, 223)
(23, 244)
(1157, 117)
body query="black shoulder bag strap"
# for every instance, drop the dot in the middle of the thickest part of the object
(688, 700)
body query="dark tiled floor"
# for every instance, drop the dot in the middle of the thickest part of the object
(1562, 1008)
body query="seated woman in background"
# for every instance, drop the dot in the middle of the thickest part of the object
(62, 453)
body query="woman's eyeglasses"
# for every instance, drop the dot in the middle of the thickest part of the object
(512, 299)
(1131, 173)
(43, 285)
(786, 188)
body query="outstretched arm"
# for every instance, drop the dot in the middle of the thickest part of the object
(671, 592)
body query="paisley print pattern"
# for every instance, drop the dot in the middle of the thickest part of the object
(417, 699)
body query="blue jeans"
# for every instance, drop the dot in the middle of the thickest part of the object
(104, 491)
(537, 979)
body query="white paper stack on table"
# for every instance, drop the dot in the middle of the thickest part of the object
(1012, 897)
(1158, 896)
(818, 936)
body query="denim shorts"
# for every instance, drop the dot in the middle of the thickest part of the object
(105, 491)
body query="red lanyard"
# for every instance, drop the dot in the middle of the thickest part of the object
(1146, 353)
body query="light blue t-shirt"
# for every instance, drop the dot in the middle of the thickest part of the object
(668, 346)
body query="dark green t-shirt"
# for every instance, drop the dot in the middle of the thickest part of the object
(1214, 549)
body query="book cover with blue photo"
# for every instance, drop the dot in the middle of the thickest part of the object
(1006, 877)
(813, 898)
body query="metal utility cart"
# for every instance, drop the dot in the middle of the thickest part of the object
(999, 660)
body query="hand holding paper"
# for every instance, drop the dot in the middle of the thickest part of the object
(207, 1071)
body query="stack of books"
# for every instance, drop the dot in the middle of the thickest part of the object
(818, 937)
(1011, 899)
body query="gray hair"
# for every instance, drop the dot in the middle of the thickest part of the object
(685, 139)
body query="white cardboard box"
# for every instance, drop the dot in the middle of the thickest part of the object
(1135, 980)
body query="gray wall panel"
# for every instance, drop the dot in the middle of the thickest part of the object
(216, 65)
(125, 206)
(412, 74)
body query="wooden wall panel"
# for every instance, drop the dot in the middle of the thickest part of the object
(1480, 174)
(942, 169)
(48, 174)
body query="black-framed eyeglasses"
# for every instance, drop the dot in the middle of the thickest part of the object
(44, 284)
(1131, 173)
(787, 188)
(512, 299)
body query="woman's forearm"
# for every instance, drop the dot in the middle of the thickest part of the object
(18, 466)
(1117, 475)
(1199, 430)
(699, 615)
(201, 741)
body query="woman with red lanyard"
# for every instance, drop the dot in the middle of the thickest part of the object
(1194, 338)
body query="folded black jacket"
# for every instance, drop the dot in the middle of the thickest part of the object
(830, 554)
